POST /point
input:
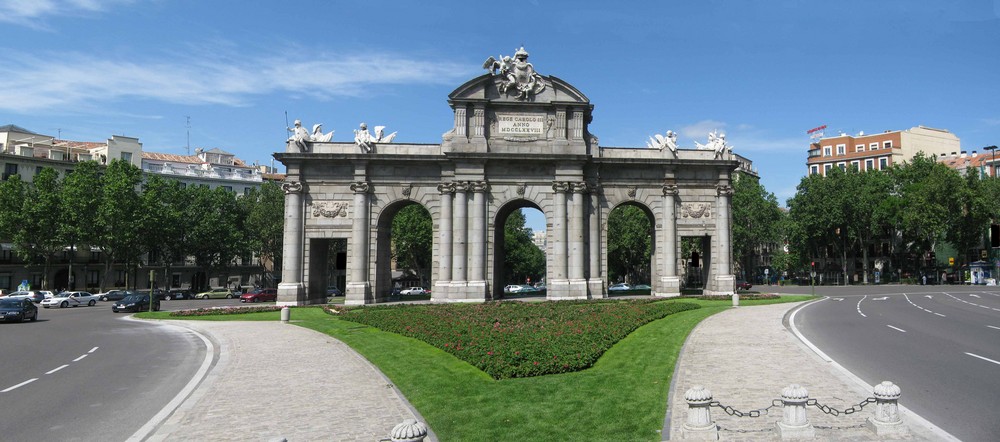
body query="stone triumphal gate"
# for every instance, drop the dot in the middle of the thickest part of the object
(518, 140)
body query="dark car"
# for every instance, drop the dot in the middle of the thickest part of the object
(260, 295)
(160, 294)
(114, 295)
(179, 294)
(17, 310)
(135, 303)
(333, 291)
(743, 285)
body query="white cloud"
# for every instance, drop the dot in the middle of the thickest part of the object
(744, 137)
(28, 12)
(76, 80)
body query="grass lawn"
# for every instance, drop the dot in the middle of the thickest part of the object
(622, 397)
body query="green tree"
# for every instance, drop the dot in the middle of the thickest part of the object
(265, 208)
(927, 204)
(12, 196)
(630, 244)
(163, 224)
(757, 221)
(216, 233)
(36, 237)
(972, 220)
(522, 258)
(80, 201)
(412, 239)
(118, 228)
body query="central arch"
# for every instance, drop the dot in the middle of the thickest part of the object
(500, 278)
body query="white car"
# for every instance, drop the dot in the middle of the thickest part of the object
(70, 299)
(47, 293)
(412, 291)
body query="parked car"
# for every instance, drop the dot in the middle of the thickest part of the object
(621, 286)
(260, 295)
(642, 289)
(413, 291)
(515, 288)
(70, 299)
(47, 293)
(743, 285)
(135, 303)
(17, 309)
(178, 294)
(114, 295)
(216, 294)
(34, 295)
(333, 291)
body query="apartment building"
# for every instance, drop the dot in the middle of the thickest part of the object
(26, 153)
(879, 151)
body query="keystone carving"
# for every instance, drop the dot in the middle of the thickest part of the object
(330, 209)
(696, 210)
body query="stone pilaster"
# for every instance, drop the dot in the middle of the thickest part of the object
(558, 287)
(595, 284)
(725, 281)
(670, 284)
(459, 249)
(358, 290)
(477, 242)
(291, 290)
(479, 122)
(444, 247)
(576, 251)
(461, 123)
(560, 132)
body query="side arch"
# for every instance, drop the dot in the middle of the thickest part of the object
(383, 250)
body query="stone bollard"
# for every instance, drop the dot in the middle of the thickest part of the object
(699, 425)
(736, 300)
(286, 314)
(886, 420)
(409, 431)
(794, 423)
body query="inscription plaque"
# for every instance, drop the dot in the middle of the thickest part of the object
(521, 124)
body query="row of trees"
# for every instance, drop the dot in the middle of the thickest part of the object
(130, 217)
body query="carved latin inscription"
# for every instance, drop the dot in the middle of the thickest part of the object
(696, 210)
(521, 125)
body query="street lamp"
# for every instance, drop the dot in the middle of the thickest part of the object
(993, 159)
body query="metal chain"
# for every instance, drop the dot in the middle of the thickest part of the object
(835, 412)
(753, 413)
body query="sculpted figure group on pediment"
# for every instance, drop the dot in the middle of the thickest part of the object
(516, 74)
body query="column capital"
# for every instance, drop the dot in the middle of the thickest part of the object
(724, 190)
(579, 187)
(446, 187)
(478, 186)
(560, 186)
(670, 190)
(461, 186)
(360, 187)
(291, 187)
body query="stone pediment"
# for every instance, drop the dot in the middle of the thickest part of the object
(486, 87)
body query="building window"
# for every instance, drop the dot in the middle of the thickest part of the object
(826, 151)
(842, 166)
(887, 144)
(859, 148)
(869, 164)
(38, 170)
(5, 281)
(93, 278)
(826, 169)
(246, 191)
(813, 170)
(6, 255)
(856, 165)
(841, 149)
(228, 188)
(883, 163)
(873, 146)
(9, 169)
(127, 157)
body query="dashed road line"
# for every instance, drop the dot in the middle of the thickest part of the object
(972, 303)
(996, 328)
(919, 307)
(57, 369)
(93, 349)
(859, 306)
(936, 313)
(983, 358)
(81, 357)
(19, 385)
(895, 328)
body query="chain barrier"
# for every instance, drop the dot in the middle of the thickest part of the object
(835, 412)
(753, 413)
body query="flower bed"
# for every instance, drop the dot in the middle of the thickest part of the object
(226, 310)
(515, 339)
(743, 297)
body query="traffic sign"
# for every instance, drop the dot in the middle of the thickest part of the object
(951, 260)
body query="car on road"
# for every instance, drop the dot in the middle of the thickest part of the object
(260, 295)
(178, 294)
(642, 289)
(621, 286)
(34, 295)
(70, 299)
(413, 291)
(333, 291)
(135, 303)
(114, 295)
(17, 309)
(743, 285)
(47, 293)
(220, 293)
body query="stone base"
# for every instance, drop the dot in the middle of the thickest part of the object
(669, 286)
(887, 430)
(475, 291)
(710, 432)
(796, 432)
(358, 293)
(292, 293)
(440, 291)
(578, 289)
(721, 285)
(595, 289)
(557, 289)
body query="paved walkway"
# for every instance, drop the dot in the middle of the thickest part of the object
(746, 356)
(273, 381)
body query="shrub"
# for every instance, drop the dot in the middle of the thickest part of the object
(743, 297)
(226, 310)
(516, 339)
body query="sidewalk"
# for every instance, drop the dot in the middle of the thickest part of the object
(276, 381)
(745, 357)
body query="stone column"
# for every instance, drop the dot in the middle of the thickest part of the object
(576, 252)
(558, 287)
(291, 290)
(358, 286)
(444, 243)
(459, 249)
(725, 282)
(670, 283)
(477, 241)
(595, 285)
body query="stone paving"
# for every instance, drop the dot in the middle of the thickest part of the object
(745, 356)
(276, 381)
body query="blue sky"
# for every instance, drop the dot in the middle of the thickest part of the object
(763, 72)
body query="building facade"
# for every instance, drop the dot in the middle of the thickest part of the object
(879, 151)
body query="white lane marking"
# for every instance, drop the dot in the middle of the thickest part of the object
(81, 357)
(895, 328)
(996, 328)
(985, 359)
(93, 349)
(972, 303)
(859, 306)
(19, 385)
(880, 299)
(917, 306)
(837, 299)
(974, 295)
(57, 369)
(928, 296)
(943, 316)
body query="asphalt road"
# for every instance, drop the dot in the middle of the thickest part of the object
(86, 373)
(940, 344)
